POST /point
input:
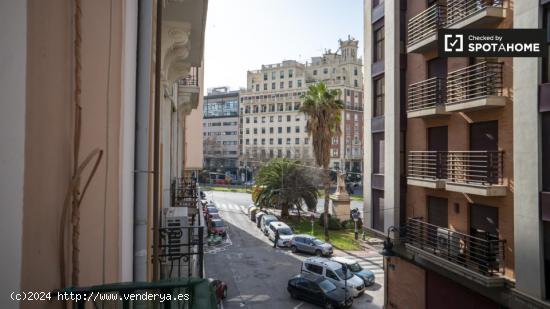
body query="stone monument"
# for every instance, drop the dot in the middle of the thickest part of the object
(340, 200)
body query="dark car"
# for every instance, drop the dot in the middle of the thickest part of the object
(220, 288)
(217, 227)
(320, 291)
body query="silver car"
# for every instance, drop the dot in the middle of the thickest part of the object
(310, 244)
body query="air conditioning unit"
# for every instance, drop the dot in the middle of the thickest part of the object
(448, 242)
(174, 241)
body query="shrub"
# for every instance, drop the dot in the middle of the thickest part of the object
(348, 224)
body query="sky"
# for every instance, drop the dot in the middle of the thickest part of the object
(242, 35)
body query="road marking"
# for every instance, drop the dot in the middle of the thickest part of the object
(298, 305)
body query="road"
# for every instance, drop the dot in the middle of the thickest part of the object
(245, 199)
(256, 273)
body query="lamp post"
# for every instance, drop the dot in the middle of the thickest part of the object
(312, 219)
(355, 216)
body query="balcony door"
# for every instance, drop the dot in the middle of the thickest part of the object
(378, 210)
(438, 211)
(483, 225)
(483, 166)
(437, 67)
(438, 141)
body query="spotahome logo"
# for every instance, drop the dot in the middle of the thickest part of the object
(492, 43)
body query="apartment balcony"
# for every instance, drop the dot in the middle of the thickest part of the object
(189, 90)
(427, 98)
(475, 172)
(475, 87)
(422, 28)
(479, 259)
(356, 108)
(474, 13)
(427, 169)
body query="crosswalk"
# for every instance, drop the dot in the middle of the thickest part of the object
(231, 207)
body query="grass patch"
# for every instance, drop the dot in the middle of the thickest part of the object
(226, 189)
(341, 239)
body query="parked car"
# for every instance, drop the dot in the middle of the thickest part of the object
(285, 233)
(334, 272)
(310, 244)
(356, 269)
(252, 213)
(217, 227)
(318, 290)
(211, 210)
(214, 215)
(266, 220)
(220, 288)
(259, 216)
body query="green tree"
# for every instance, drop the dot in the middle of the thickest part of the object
(283, 183)
(323, 108)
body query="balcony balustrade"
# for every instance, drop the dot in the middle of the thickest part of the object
(427, 98)
(427, 169)
(474, 13)
(422, 28)
(481, 259)
(475, 87)
(470, 172)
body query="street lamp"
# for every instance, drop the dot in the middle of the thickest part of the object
(387, 251)
(355, 216)
(312, 219)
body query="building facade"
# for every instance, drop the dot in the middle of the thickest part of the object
(272, 125)
(452, 166)
(221, 131)
(78, 90)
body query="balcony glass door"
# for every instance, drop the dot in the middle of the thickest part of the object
(482, 165)
(438, 141)
(484, 229)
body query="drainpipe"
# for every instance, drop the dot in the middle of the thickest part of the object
(141, 175)
(156, 138)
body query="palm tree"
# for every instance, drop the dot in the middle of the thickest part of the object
(323, 107)
(283, 183)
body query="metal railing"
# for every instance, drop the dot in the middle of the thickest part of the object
(191, 80)
(482, 255)
(427, 164)
(184, 192)
(475, 167)
(181, 251)
(460, 9)
(474, 82)
(354, 108)
(426, 23)
(426, 94)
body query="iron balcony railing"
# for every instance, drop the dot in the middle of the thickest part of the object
(475, 82)
(460, 9)
(181, 251)
(426, 23)
(427, 165)
(471, 167)
(427, 94)
(191, 80)
(184, 192)
(481, 255)
(475, 167)
(354, 107)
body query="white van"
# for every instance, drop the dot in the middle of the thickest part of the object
(334, 272)
(285, 233)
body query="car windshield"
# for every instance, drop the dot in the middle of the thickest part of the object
(327, 286)
(217, 223)
(212, 209)
(355, 267)
(340, 274)
(318, 242)
(285, 231)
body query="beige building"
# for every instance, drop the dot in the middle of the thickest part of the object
(453, 169)
(107, 50)
(271, 123)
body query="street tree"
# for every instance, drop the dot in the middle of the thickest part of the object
(323, 108)
(283, 183)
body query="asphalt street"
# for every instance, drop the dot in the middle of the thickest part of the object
(256, 273)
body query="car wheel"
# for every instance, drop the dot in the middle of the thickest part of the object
(294, 249)
(318, 252)
(224, 296)
(328, 305)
